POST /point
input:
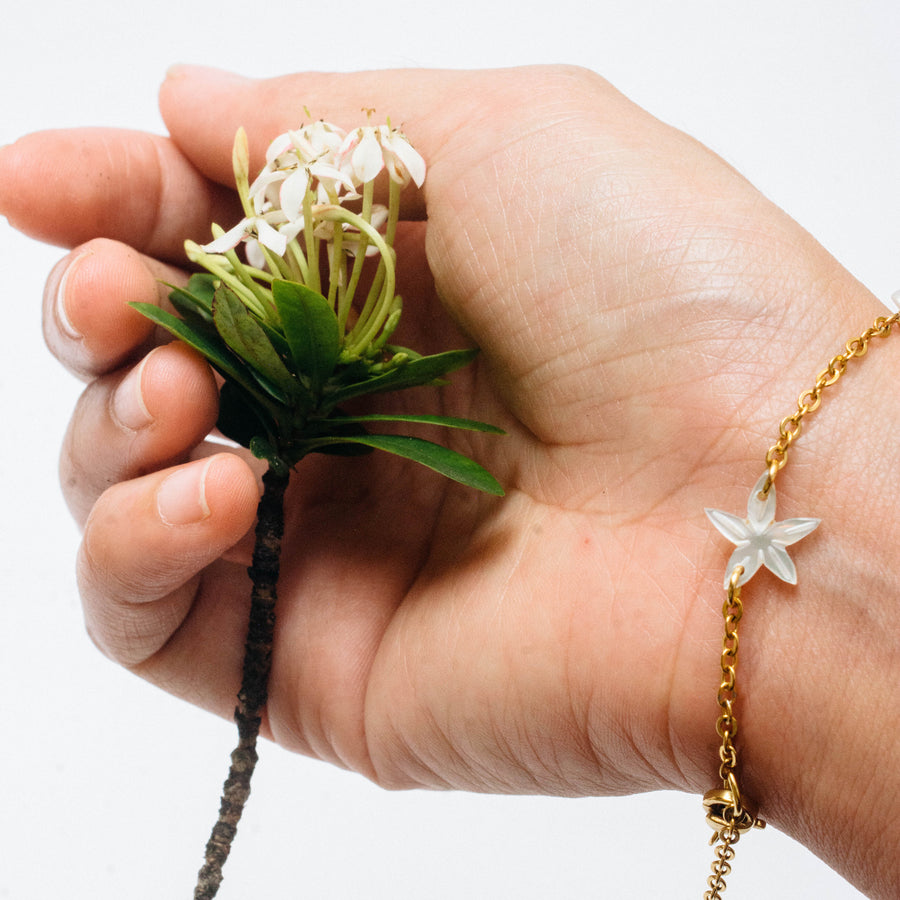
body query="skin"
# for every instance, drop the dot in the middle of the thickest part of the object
(646, 319)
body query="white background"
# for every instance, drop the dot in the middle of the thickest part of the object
(107, 786)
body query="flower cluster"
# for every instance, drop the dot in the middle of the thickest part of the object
(281, 322)
(315, 196)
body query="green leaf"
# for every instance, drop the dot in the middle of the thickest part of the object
(245, 336)
(188, 307)
(202, 285)
(241, 418)
(441, 459)
(421, 419)
(417, 372)
(210, 346)
(277, 340)
(311, 329)
(344, 449)
(194, 302)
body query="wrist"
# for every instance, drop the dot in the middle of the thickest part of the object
(817, 741)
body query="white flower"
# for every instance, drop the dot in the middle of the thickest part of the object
(402, 161)
(291, 194)
(256, 228)
(317, 141)
(296, 161)
(304, 145)
(760, 539)
(309, 172)
(371, 148)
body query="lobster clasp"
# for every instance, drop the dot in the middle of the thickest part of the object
(726, 810)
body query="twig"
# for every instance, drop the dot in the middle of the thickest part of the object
(254, 683)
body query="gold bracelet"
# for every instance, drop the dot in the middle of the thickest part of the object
(761, 541)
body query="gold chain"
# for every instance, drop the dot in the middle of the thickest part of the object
(726, 725)
(727, 811)
(722, 865)
(809, 401)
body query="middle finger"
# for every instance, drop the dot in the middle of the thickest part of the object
(88, 324)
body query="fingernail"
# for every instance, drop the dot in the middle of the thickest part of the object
(128, 407)
(59, 302)
(202, 73)
(3, 151)
(8, 185)
(181, 498)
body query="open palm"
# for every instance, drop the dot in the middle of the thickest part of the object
(634, 300)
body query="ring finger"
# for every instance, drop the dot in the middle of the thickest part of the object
(134, 421)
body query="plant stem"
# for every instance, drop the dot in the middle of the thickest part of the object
(254, 683)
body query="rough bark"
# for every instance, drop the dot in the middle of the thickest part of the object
(254, 682)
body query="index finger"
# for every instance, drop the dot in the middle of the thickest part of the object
(66, 187)
(457, 115)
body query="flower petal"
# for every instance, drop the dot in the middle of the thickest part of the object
(367, 158)
(411, 164)
(318, 140)
(229, 240)
(270, 238)
(749, 558)
(293, 190)
(259, 190)
(761, 509)
(791, 530)
(254, 254)
(778, 562)
(281, 145)
(330, 176)
(379, 215)
(730, 526)
(290, 230)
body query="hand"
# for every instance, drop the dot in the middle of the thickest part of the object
(646, 319)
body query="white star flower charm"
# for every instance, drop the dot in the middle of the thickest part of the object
(760, 539)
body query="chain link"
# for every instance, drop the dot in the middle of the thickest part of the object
(809, 401)
(721, 868)
(726, 724)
